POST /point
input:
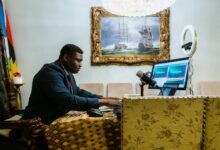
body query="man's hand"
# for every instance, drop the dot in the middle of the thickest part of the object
(109, 101)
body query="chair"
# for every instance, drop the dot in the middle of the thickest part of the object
(119, 89)
(25, 133)
(210, 88)
(138, 89)
(96, 88)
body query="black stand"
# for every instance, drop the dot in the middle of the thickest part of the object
(142, 88)
(169, 89)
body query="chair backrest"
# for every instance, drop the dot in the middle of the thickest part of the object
(96, 88)
(138, 89)
(119, 89)
(4, 104)
(210, 88)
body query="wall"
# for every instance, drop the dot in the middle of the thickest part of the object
(41, 28)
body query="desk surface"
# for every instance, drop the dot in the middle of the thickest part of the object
(78, 131)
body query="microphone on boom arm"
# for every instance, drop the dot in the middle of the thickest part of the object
(146, 78)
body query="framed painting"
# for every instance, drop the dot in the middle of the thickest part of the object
(129, 40)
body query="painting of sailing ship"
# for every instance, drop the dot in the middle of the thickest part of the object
(130, 35)
(118, 40)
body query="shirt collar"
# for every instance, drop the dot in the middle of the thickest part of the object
(66, 72)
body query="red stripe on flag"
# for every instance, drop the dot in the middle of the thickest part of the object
(10, 40)
(8, 30)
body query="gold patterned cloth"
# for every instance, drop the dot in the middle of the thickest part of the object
(77, 131)
(212, 128)
(171, 123)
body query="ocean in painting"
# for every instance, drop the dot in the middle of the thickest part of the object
(130, 35)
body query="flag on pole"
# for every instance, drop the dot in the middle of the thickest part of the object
(12, 66)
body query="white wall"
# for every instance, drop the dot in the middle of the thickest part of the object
(41, 27)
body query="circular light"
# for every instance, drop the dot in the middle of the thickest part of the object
(190, 28)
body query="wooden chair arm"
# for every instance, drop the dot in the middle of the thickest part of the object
(12, 124)
(32, 128)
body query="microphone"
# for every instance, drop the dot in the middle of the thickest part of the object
(146, 78)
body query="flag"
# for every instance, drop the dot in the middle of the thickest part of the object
(12, 66)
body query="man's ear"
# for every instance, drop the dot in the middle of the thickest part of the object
(65, 57)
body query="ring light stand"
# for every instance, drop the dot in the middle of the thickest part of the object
(189, 51)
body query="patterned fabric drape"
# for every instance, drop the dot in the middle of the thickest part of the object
(171, 123)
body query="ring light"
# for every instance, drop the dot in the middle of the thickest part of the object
(192, 50)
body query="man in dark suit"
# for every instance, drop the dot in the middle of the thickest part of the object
(54, 90)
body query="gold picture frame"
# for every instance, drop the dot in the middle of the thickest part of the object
(117, 55)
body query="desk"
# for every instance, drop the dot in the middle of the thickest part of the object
(77, 131)
(171, 123)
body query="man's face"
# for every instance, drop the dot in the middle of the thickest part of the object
(73, 62)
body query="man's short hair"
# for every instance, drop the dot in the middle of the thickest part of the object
(70, 49)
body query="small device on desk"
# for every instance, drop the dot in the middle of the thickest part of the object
(94, 112)
(117, 110)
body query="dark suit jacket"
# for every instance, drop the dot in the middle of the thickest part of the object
(51, 96)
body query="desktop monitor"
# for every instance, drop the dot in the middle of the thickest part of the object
(171, 72)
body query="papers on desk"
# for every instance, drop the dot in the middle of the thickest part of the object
(105, 108)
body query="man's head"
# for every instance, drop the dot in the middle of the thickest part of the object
(71, 58)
